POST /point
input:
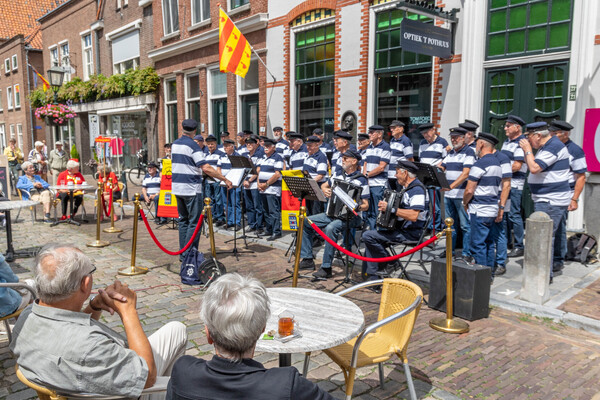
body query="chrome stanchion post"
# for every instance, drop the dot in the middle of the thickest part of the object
(448, 324)
(299, 233)
(133, 269)
(98, 242)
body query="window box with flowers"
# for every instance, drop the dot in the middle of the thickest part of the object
(55, 114)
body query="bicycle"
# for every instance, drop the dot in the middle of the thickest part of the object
(136, 174)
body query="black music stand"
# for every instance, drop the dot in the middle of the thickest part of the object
(348, 271)
(433, 178)
(244, 163)
(302, 189)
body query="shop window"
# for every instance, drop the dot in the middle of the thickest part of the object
(200, 11)
(238, 3)
(192, 97)
(524, 27)
(315, 107)
(171, 109)
(88, 58)
(170, 16)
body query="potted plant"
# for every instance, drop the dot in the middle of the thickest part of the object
(55, 114)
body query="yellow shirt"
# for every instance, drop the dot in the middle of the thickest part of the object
(17, 154)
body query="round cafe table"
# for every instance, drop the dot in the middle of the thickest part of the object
(6, 206)
(71, 189)
(324, 319)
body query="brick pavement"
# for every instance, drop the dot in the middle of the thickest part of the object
(507, 355)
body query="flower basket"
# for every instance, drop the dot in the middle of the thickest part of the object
(55, 114)
(50, 121)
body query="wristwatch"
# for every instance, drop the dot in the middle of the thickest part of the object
(502, 207)
(527, 153)
(90, 303)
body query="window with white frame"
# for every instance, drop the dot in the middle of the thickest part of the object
(170, 16)
(122, 4)
(192, 97)
(15, 63)
(65, 61)
(126, 52)
(2, 136)
(9, 98)
(218, 102)
(54, 57)
(248, 98)
(17, 89)
(200, 11)
(20, 136)
(88, 56)
(171, 109)
(1, 100)
(238, 3)
(7, 65)
(12, 131)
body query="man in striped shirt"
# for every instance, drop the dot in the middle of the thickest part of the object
(402, 149)
(231, 197)
(316, 166)
(510, 147)
(471, 127)
(298, 150)
(375, 169)
(562, 130)
(188, 165)
(151, 190)
(481, 197)
(341, 141)
(212, 188)
(457, 165)
(269, 186)
(432, 151)
(281, 145)
(254, 209)
(549, 177)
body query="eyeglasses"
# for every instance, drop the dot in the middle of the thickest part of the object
(92, 271)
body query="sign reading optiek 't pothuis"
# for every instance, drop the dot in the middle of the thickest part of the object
(427, 39)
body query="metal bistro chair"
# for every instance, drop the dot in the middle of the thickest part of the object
(31, 209)
(16, 314)
(398, 311)
(45, 393)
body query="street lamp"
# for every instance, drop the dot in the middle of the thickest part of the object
(55, 76)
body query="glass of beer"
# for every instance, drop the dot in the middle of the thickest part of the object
(286, 323)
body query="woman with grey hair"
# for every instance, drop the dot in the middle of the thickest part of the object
(71, 175)
(33, 187)
(235, 310)
(38, 158)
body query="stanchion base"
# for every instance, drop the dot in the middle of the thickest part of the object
(446, 325)
(98, 243)
(112, 230)
(130, 271)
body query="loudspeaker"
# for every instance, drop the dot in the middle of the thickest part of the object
(470, 285)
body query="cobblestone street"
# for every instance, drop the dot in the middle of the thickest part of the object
(506, 356)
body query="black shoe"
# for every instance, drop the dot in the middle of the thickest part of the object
(323, 273)
(516, 253)
(500, 271)
(375, 289)
(250, 229)
(318, 242)
(442, 254)
(229, 226)
(259, 232)
(468, 259)
(219, 223)
(237, 227)
(274, 237)
(307, 263)
(557, 267)
(163, 221)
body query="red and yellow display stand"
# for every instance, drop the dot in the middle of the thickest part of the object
(289, 204)
(167, 203)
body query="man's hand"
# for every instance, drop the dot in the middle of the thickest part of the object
(382, 205)
(228, 184)
(327, 192)
(106, 298)
(262, 186)
(525, 145)
(573, 205)
(37, 185)
(128, 300)
(500, 215)
(246, 185)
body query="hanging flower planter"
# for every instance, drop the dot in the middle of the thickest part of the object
(55, 114)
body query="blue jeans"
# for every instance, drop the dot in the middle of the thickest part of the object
(254, 209)
(557, 214)
(500, 243)
(375, 242)
(189, 209)
(332, 228)
(481, 239)
(560, 244)
(515, 220)
(155, 201)
(231, 199)
(376, 195)
(272, 206)
(437, 215)
(456, 211)
(212, 190)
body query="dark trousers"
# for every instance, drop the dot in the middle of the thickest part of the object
(65, 197)
(212, 190)
(254, 209)
(375, 244)
(557, 214)
(189, 209)
(376, 195)
(482, 241)
(272, 212)
(231, 199)
(437, 215)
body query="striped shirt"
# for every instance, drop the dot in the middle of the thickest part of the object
(355, 178)
(415, 198)
(506, 168)
(225, 164)
(488, 174)
(577, 162)
(282, 147)
(212, 159)
(552, 183)
(297, 158)
(374, 156)
(152, 184)
(433, 153)
(326, 148)
(402, 149)
(259, 153)
(336, 162)
(268, 167)
(242, 150)
(187, 160)
(515, 153)
(454, 163)
(316, 165)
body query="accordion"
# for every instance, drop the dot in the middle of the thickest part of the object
(335, 207)
(386, 219)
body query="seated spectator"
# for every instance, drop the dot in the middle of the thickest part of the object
(33, 187)
(11, 300)
(60, 343)
(235, 310)
(110, 181)
(71, 175)
(151, 190)
(38, 157)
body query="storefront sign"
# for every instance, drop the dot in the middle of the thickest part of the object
(167, 203)
(94, 122)
(428, 39)
(591, 139)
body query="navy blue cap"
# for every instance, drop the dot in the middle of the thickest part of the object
(558, 125)
(189, 125)
(313, 139)
(251, 139)
(225, 133)
(536, 126)
(228, 141)
(342, 135)
(199, 138)
(469, 126)
(396, 123)
(488, 137)
(153, 164)
(407, 165)
(211, 138)
(269, 142)
(352, 153)
(167, 145)
(263, 137)
(248, 132)
(240, 133)
(363, 136)
(294, 135)
(425, 127)
(376, 128)
(470, 121)
(317, 131)
(457, 131)
(515, 120)
(277, 128)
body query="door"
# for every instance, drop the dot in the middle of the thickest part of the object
(219, 121)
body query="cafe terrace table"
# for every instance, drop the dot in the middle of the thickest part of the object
(71, 190)
(325, 320)
(6, 206)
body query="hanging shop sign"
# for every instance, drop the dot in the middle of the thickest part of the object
(428, 39)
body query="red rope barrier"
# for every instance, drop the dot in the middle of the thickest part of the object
(160, 246)
(110, 205)
(369, 259)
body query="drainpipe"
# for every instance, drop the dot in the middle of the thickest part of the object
(28, 92)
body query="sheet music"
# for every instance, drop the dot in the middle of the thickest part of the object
(343, 196)
(235, 175)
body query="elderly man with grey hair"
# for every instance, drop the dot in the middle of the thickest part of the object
(235, 310)
(60, 343)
